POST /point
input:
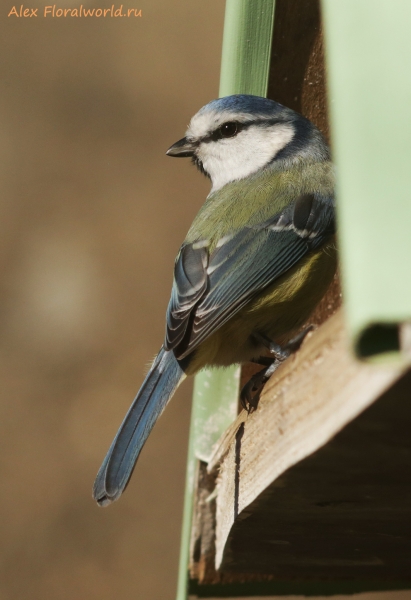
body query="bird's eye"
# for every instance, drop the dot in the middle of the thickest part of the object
(229, 129)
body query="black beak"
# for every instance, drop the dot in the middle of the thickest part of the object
(181, 148)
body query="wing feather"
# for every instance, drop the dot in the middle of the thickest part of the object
(190, 284)
(209, 290)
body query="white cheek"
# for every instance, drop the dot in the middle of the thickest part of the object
(241, 156)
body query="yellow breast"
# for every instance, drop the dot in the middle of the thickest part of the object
(278, 311)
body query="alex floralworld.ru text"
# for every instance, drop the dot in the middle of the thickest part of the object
(81, 11)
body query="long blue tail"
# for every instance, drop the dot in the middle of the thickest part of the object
(158, 387)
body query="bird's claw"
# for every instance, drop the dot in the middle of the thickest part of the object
(251, 392)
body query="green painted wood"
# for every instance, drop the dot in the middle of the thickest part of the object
(248, 31)
(368, 47)
(248, 27)
(215, 407)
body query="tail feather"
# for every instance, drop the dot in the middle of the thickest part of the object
(158, 387)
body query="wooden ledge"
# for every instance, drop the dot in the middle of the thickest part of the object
(312, 397)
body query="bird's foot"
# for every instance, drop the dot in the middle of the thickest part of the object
(280, 353)
(250, 394)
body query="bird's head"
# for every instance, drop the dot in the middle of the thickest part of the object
(236, 136)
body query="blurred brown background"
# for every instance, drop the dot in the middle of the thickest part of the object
(92, 215)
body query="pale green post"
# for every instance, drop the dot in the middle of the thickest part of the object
(248, 32)
(368, 50)
(248, 29)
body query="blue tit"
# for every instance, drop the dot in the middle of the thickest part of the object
(258, 257)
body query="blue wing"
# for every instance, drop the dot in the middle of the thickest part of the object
(209, 290)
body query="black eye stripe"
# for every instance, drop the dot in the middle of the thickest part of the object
(215, 135)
